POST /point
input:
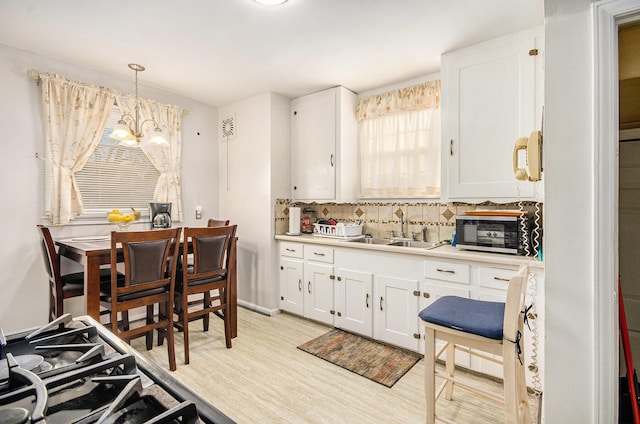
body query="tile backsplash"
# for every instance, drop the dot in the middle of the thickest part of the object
(381, 218)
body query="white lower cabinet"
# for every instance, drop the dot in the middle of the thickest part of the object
(306, 281)
(353, 301)
(318, 292)
(395, 306)
(291, 291)
(379, 294)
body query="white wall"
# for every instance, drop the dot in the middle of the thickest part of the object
(254, 170)
(570, 286)
(23, 282)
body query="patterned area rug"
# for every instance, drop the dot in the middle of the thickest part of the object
(381, 363)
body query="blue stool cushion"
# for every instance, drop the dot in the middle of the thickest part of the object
(471, 316)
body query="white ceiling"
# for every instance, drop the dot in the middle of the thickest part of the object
(220, 51)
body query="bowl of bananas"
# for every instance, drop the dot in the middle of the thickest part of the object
(123, 220)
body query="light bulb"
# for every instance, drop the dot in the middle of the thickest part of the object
(120, 131)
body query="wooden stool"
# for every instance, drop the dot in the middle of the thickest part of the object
(492, 327)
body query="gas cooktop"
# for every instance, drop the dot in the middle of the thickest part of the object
(76, 371)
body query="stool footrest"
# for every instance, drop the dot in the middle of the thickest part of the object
(483, 393)
(478, 354)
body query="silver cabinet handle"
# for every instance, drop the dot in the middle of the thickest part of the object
(501, 279)
(367, 301)
(318, 254)
(381, 299)
(309, 287)
(445, 270)
(332, 160)
(300, 285)
(289, 250)
(450, 147)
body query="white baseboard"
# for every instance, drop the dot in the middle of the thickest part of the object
(258, 308)
(140, 313)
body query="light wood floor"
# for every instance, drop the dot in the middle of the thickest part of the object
(264, 378)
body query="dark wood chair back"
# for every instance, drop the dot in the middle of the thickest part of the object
(217, 223)
(209, 275)
(57, 293)
(150, 261)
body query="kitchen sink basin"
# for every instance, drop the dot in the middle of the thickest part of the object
(370, 240)
(413, 243)
(401, 243)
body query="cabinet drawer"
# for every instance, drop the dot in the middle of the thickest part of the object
(495, 278)
(319, 254)
(292, 250)
(447, 271)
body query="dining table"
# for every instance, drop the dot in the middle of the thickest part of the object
(94, 251)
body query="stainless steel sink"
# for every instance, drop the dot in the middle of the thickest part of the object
(401, 243)
(413, 243)
(370, 240)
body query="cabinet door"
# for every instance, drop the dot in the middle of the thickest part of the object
(489, 100)
(431, 292)
(318, 292)
(353, 298)
(291, 290)
(396, 303)
(314, 146)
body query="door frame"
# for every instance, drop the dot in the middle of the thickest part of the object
(607, 16)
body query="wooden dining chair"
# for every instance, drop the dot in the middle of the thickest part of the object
(209, 275)
(476, 326)
(150, 262)
(217, 223)
(63, 286)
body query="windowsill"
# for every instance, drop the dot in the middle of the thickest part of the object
(97, 218)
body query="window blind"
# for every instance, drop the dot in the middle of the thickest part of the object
(116, 177)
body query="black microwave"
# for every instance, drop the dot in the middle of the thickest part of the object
(499, 234)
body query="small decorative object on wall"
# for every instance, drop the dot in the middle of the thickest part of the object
(228, 131)
(228, 127)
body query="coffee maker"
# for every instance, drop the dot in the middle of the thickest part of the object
(160, 215)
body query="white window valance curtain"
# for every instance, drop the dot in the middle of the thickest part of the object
(399, 137)
(415, 97)
(75, 116)
(167, 159)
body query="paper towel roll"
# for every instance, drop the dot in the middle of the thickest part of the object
(294, 221)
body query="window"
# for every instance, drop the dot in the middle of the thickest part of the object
(115, 177)
(399, 136)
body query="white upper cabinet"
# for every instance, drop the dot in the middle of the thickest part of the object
(324, 139)
(491, 95)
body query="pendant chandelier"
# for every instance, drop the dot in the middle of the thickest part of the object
(128, 130)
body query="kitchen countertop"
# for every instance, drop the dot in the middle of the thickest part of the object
(442, 252)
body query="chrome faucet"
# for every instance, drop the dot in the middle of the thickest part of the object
(402, 234)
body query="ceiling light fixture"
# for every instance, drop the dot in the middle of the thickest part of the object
(270, 2)
(130, 134)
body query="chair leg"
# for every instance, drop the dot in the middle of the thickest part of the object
(227, 326)
(185, 326)
(450, 368)
(162, 314)
(125, 320)
(171, 347)
(205, 318)
(430, 374)
(515, 387)
(149, 335)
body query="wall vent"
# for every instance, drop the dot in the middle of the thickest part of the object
(229, 127)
